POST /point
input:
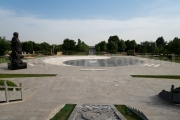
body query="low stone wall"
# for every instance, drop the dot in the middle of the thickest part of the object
(170, 96)
(59, 53)
(176, 98)
(15, 95)
(54, 111)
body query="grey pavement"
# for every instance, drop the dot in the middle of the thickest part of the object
(113, 86)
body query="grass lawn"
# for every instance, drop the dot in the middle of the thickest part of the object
(64, 113)
(130, 116)
(9, 83)
(25, 75)
(158, 76)
(4, 60)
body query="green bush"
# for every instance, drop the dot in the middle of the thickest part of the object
(9, 83)
(68, 52)
(169, 57)
(130, 52)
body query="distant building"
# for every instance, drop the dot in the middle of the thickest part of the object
(92, 50)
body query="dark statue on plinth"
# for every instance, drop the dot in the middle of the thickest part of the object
(16, 54)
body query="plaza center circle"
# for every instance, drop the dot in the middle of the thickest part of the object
(95, 61)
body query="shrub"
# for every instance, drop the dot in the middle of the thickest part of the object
(130, 52)
(169, 57)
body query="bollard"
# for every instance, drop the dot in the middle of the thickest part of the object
(172, 88)
(20, 85)
(6, 91)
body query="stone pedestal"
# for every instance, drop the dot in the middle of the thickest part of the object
(14, 66)
(172, 96)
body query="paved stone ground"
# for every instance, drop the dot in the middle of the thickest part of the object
(113, 86)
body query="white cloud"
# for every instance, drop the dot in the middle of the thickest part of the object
(31, 27)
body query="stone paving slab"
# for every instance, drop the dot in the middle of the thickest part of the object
(113, 86)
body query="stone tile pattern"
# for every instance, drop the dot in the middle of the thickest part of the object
(113, 86)
(94, 112)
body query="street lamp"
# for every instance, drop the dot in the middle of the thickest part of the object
(53, 49)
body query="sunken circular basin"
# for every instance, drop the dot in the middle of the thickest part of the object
(111, 62)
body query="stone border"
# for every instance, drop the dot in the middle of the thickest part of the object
(54, 111)
(74, 113)
(172, 96)
(53, 61)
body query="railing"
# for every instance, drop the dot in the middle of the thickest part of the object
(139, 113)
(6, 90)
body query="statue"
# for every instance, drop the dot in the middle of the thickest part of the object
(16, 54)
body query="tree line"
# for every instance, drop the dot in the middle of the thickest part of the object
(68, 47)
(113, 45)
(160, 46)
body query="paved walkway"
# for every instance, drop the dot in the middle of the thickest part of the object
(113, 86)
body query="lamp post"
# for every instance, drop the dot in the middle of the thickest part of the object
(53, 49)
(150, 49)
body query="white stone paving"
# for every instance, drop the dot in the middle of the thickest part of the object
(113, 86)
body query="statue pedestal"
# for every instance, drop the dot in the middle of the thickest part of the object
(13, 66)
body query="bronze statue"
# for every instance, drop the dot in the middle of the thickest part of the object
(16, 54)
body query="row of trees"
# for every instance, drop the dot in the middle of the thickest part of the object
(68, 47)
(160, 46)
(114, 45)
(30, 46)
(4, 46)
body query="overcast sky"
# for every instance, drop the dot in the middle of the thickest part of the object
(91, 21)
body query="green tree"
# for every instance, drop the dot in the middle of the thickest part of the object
(127, 42)
(85, 47)
(69, 46)
(97, 47)
(112, 47)
(121, 46)
(147, 47)
(4, 45)
(37, 47)
(174, 46)
(161, 44)
(56, 48)
(81, 46)
(45, 48)
(27, 46)
(101, 46)
(130, 44)
(114, 44)
(114, 38)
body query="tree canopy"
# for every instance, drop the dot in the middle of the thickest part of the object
(4, 45)
(114, 44)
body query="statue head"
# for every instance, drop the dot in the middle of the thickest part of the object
(15, 34)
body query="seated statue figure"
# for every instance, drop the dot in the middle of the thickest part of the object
(16, 54)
